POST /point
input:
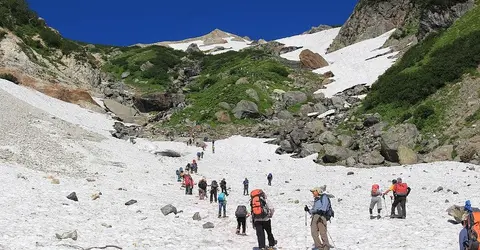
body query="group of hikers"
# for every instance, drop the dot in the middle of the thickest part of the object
(260, 210)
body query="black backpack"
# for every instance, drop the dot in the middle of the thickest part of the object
(214, 184)
(329, 213)
(241, 211)
(202, 185)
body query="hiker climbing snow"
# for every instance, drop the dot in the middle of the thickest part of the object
(269, 178)
(321, 213)
(241, 213)
(262, 211)
(376, 200)
(245, 186)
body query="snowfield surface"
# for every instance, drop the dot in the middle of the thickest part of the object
(360, 63)
(34, 209)
(230, 45)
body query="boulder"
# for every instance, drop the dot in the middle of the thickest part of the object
(241, 81)
(157, 102)
(125, 132)
(67, 235)
(351, 161)
(125, 74)
(370, 121)
(406, 155)
(308, 149)
(291, 98)
(315, 127)
(246, 109)
(328, 74)
(197, 216)
(350, 173)
(193, 48)
(252, 94)
(126, 114)
(168, 153)
(305, 109)
(223, 116)
(72, 196)
(328, 137)
(224, 105)
(297, 136)
(146, 66)
(346, 141)
(443, 153)
(334, 154)
(208, 225)
(311, 60)
(284, 115)
(403, 134)
(338, 102)
(457, 212)
(371, 158)
(130, 202)
(286, 146)
(168, 209)
(320, 108)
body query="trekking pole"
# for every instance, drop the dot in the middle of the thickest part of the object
(333, 242)
(306, 228)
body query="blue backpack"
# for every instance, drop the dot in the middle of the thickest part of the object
(221, 197)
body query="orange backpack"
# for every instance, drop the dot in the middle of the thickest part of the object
(258, 204)
(473, 226)
(401, 188)
(375, 188)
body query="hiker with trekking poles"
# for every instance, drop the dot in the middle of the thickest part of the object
(398, 207)
(376, 200)
(321, 213)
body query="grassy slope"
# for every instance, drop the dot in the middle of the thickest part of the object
(403, 91)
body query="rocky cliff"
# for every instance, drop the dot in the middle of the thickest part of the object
(412, 17)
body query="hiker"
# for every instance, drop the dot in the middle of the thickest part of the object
(376, 200)
(213, 142)
(269, 178)
(213, 191)
(181, 175)
(188, 184)
(321, 212)
(472, 226)
(245, 186)
(241, 213)
(262, 211)
(222, 203)
(177, 172)
(198, 155)
(201, 155)
(213, 149)
(399, 208)
(223, 186)
(202, 188)
(188, 167)
(194, 166)
(402, 190)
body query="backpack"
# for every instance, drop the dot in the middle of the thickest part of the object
(202, 185)
(270, 176)
(241, 211)
(177, 172)
(473, 229)
(258, 204)
(401, 188)
(221, 197)
(329, 213)
(375, 188)
(214, 184)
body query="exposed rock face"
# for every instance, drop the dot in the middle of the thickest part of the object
(293, 97)
(334, 154)
(317, 29)
(442, 153)
(245, 109)
(157, 102)
(312, 60)
(192, 48)
(401, 135)
(406, 155)
(123, 112)
(372, 158)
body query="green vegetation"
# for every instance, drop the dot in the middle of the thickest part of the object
(218, 84)
(402, 92)
(2, 34)
(153, 78)
(473, 118)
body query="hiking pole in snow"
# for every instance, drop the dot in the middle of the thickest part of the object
(333, 242)
(307, 230)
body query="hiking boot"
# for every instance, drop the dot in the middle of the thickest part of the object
(219, 216)
(224, 216)
(379, 216)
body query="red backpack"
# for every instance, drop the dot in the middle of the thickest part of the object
(258, 204)
(375, 188)
(473, 227)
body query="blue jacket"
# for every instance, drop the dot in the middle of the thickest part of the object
(245, 182)
(462, 238)
(320, 205)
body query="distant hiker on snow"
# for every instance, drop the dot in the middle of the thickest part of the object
(402, 190)
(202, 188)
(241, 213)
(198, 156)
(321, 213)
(262, 211)
(188, 184)
(399, 208)
(222, 204)
(376, 195)
(213, 191)
(245, 186)
(201, 155)
(188, 167)
(194, 166)
(269, 178)
(177, 172)
(213, 149)
(223, 186)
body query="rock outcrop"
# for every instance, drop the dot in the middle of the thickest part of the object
(311, 60)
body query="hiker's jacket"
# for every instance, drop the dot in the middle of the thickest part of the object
(320, 205)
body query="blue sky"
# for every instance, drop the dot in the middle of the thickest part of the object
(120, 22)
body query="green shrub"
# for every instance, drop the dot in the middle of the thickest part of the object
(423, 112)
(10, 77)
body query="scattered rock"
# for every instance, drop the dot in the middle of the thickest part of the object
(333, 154)
(328, 137)
(447, 201)
(287, 182)
(21, 176)
(346, 141)
(130, 202)
(125, 74)
(371, 158)
(298, 189)
(224, 105)
(124, 113)
(311, 60)
(208, 225)
(351, 161)
(370, 121)
(328, 74)
(146, 66)
(252, 94)
(67, 235)
(286, 146)
(406, 156)
(125, 132)
(284, 115)
(106, 225)
(440, 188)
(197, 216)
(223, 116)
(455, 192)
(246, 109)
(72, 196)
(282, 193)
(291, 98)
(168, 209)
(442, 153)
(241, 81)
(350, 173)
(424, 188)
(405, 135)
(296, 201)
(193, 48)
(96, 195)
(169, 153)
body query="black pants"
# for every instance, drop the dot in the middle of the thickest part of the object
(213, 195)
(224, 189)
(260, 226)
(241, 222)
(245, 189)
(400, 200)
(269, 182)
